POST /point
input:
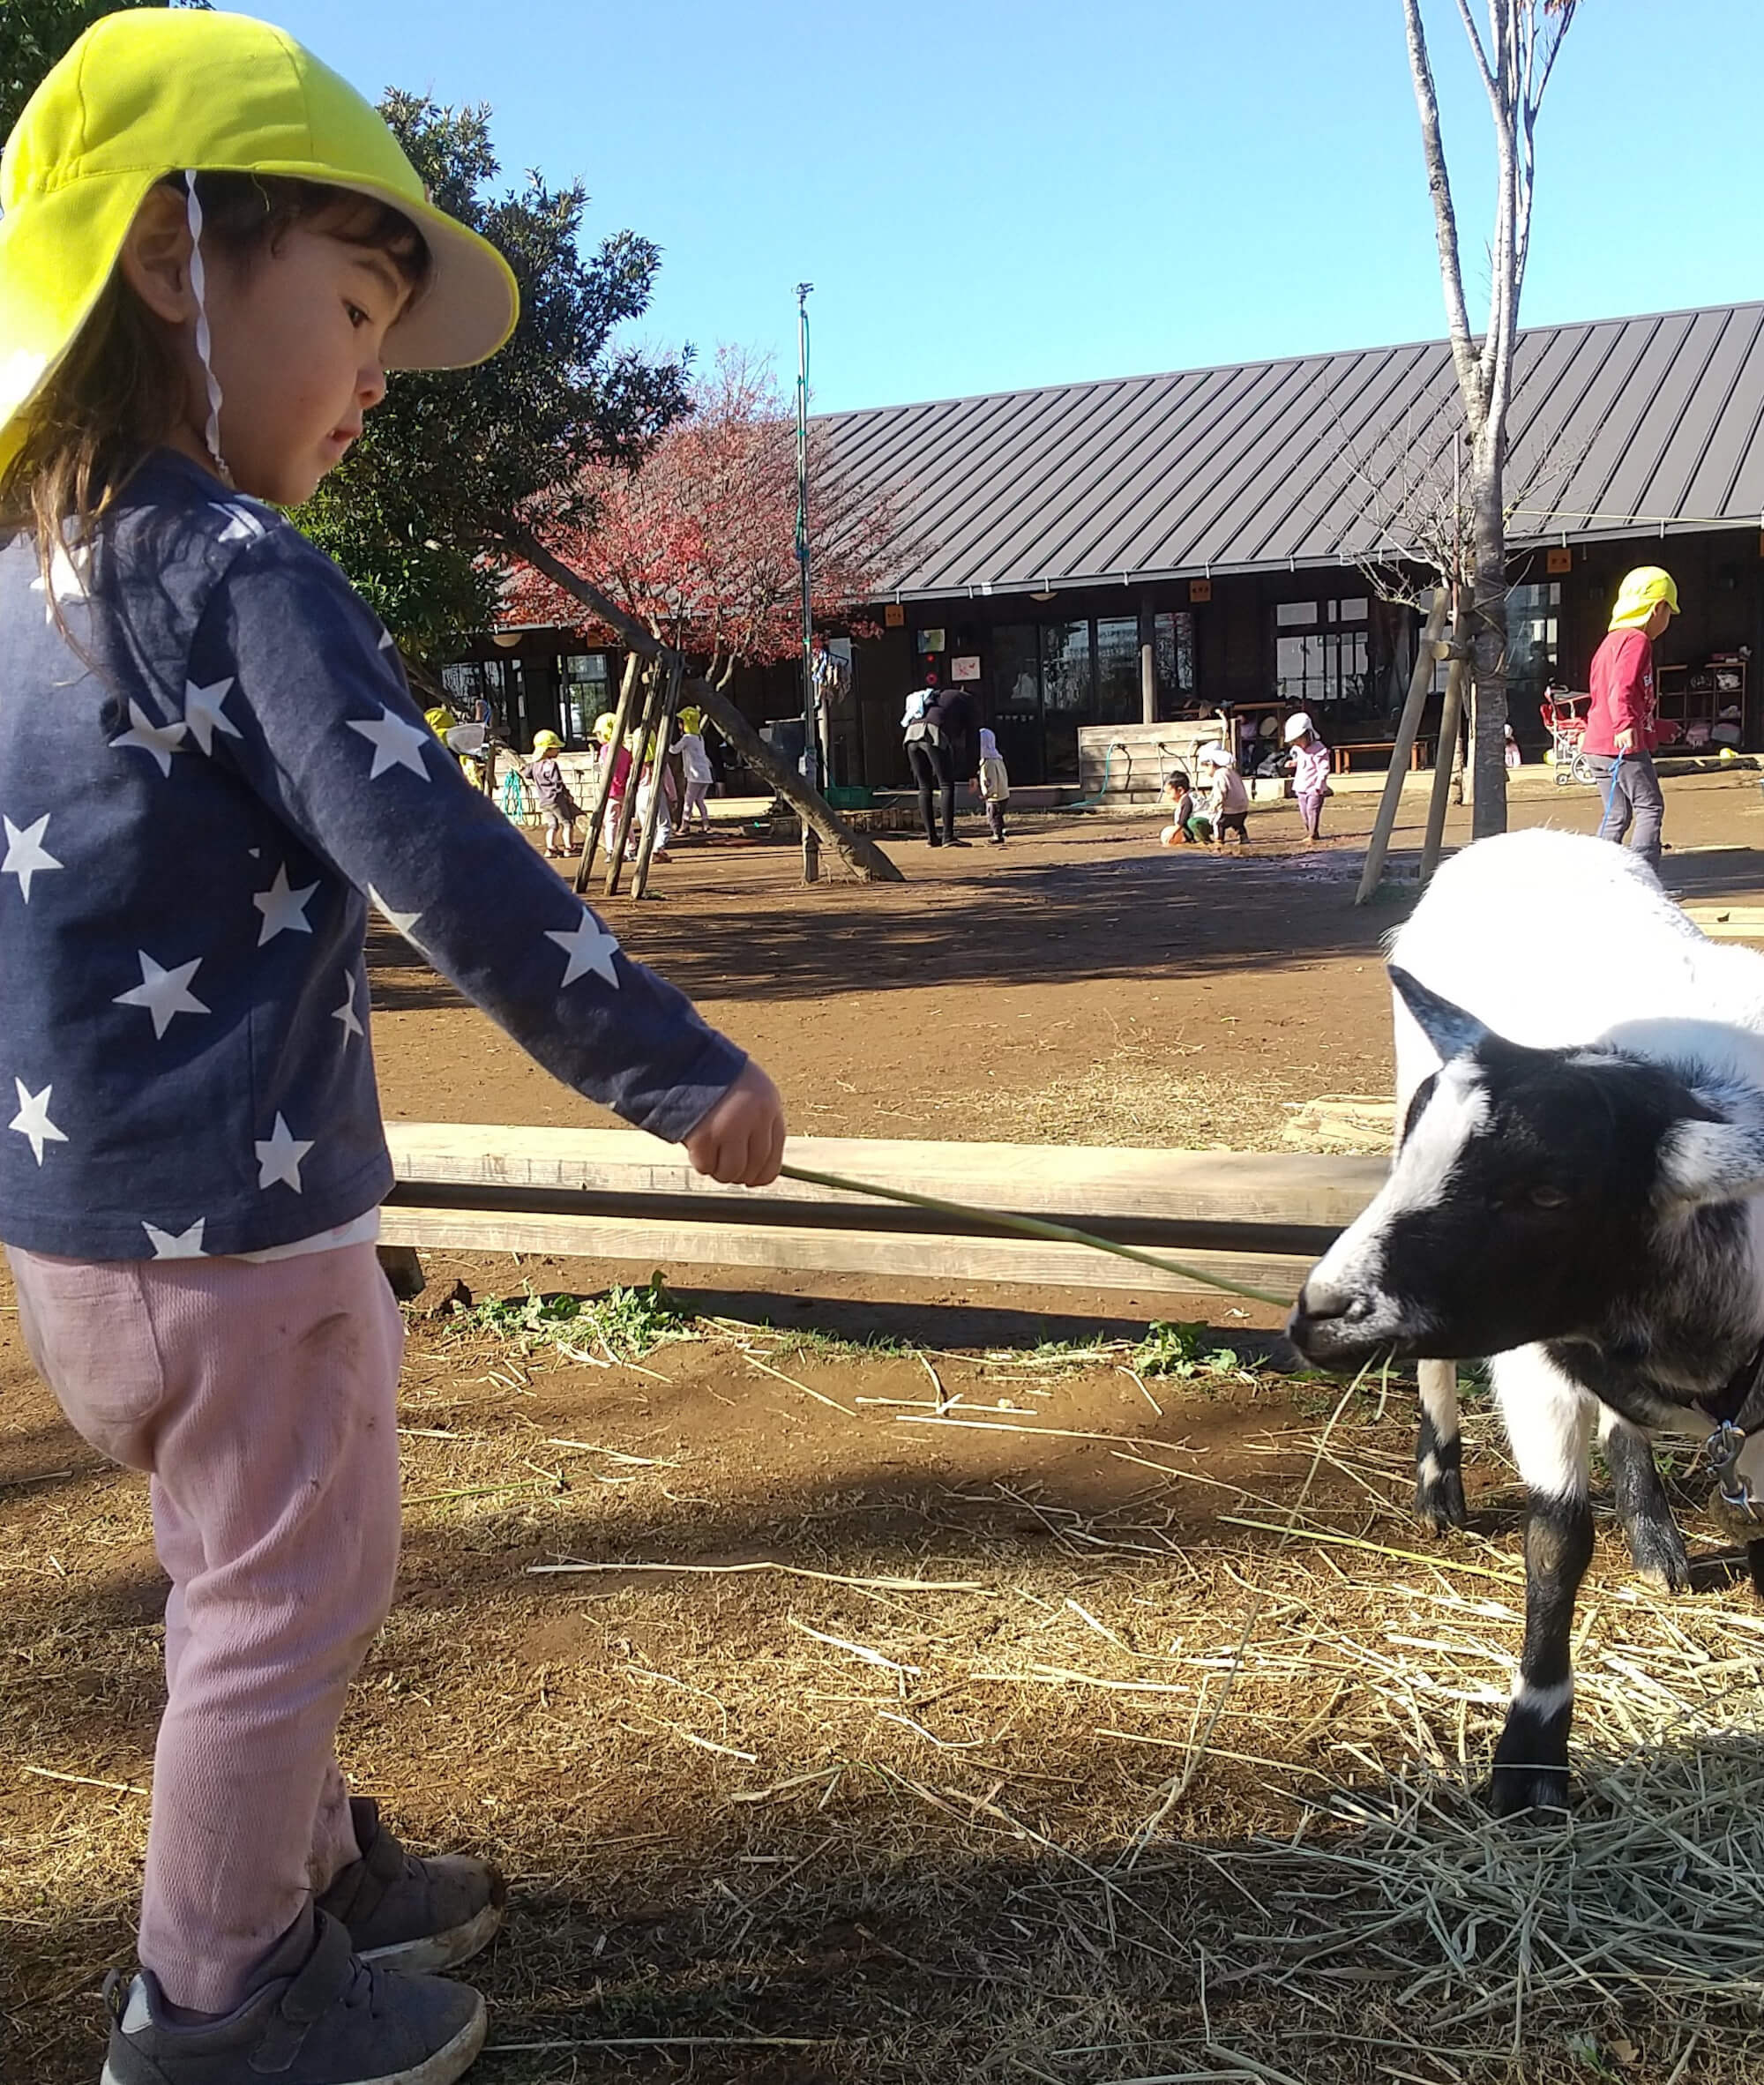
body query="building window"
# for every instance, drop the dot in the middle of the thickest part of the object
(1118, 700)
(586, 689)
(1533, 634)
(1173, 641)
(1065, 666)
(1016, 669)
(1321, 651)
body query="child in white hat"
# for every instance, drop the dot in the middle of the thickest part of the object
(1310, 758)
(1227, 800)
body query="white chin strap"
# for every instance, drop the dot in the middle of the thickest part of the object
(204, 345)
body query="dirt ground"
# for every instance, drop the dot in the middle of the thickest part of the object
(977, 1701)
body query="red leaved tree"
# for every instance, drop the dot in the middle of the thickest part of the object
(699, 542)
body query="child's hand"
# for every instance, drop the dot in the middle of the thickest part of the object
(741, 1142)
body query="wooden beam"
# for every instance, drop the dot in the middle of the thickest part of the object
(1067, 1182)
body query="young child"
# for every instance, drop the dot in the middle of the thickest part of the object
(207, 755)
(1189, 826)
(556, 806)
(695, 766)
(1227, 800)
(1310, 759)
(993, 784)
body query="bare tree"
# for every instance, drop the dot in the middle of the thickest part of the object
(1515, 62)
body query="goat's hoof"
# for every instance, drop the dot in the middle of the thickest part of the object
(1658, 1551)
(1440, 1501)
(1533, 1793)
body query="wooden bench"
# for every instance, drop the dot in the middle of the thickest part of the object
(1341, 757)
(1256, 1217)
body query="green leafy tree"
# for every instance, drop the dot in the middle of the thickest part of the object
(413, 515)
(34, 35)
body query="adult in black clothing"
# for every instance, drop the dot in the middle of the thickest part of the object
(938, 737)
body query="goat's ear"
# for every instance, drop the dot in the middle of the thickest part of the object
(1711, 1162)
(1451, 1030)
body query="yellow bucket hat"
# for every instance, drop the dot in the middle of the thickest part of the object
(144, 95)
(1642, 591)
(547, 742)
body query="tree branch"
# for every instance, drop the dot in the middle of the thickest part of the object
(1445, 219)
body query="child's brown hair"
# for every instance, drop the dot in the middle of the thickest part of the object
(120, 390)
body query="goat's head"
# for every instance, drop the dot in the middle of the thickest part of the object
(1533, 1190)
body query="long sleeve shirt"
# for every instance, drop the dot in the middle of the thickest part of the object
(200, 796)
(1622, 683)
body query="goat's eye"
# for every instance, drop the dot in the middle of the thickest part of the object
(1545, 1197)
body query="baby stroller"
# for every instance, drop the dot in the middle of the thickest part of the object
(1565, 718)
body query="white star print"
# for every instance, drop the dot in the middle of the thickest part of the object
(66, 583)
(202, 711)
(33, 1119)
(164, 993)
(242, 525)
(589, 948)
(387, 641)
(346, 1013)
(284, 910)
(26, 854)
(403, 923)
(279, 1158)
(395, 744)
(160, 740)
(175, 1244)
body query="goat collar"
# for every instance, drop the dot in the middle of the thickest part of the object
(1737, 1410)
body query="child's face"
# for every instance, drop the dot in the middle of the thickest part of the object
(299, 337)
(299, 334)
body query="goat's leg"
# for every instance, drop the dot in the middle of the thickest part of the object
(1549, 1422)
(1654, 1541)
(1439, 1448)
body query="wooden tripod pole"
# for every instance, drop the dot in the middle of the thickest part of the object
(1426, 653)
(1450, 710)
(591, 841)
(655, 683)
(658, 776)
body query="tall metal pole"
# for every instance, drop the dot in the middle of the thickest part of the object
(811, 856)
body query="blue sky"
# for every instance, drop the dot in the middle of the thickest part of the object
(991, 193)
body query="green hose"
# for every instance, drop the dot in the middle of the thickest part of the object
(1034, 1227)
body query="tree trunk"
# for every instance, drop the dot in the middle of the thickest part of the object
(1488, 745)
(860, 854)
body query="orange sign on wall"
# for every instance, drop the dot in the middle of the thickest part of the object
(1559, 559)
(1199, 590)
(893, 616)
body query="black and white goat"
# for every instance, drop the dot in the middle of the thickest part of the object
(1581, 1198)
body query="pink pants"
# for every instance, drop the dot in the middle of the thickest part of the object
(263, 1400)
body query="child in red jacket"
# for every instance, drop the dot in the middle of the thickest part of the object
(1620, 724)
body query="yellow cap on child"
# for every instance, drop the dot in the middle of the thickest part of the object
(154, 91)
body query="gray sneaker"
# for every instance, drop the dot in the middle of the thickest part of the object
(334, 2021)
(407, 1913)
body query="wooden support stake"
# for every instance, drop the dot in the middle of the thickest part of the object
(658, 774)
(585, 868)
(1451, 712)
(1378, 846)
(627, 803)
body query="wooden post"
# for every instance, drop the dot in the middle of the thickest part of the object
(591, 841)
(1378, 846)
(658, 785)
(1445, 748)
(653, 683)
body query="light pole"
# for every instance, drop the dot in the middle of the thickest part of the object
(811, 859)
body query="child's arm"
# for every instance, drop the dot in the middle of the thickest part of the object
(319, 723)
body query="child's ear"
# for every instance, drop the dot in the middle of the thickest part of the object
(155, 257)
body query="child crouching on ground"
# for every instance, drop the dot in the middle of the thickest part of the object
(993, 784)
(214, 250)
(556, 806)
(1227, 800)
(1310, 759)
(1188, 824)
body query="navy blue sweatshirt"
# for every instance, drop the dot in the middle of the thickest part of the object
(196, 813)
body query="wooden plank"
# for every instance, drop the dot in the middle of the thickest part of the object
(1067, 1182)
(804, 1249)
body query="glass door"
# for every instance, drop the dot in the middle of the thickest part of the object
(1016, 720)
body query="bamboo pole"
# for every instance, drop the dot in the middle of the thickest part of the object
(658, 769)
(1378, 846)
(654, 683)
(584, 868)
